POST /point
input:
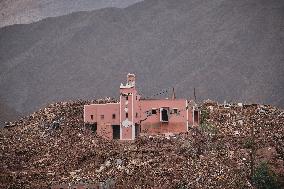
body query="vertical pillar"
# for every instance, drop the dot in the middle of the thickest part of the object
(186, 107)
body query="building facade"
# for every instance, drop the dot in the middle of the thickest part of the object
(132, 115)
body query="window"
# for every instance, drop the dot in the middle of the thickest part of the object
(126, 115)
(154, 111)
(175, 110)
(92, 117)
(136, 98)
(126, 97)
(102, 116)
(113, 116)
(136, 115)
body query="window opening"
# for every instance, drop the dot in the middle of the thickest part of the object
(175, 110)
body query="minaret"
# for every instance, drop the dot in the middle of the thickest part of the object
(128, 108)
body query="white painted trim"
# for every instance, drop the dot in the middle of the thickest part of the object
(186, 105)
(199, 114)
(126, 87)
(120, 118)
(84, 115)
(126, 139)
(160, 110)
(88, 105)
(175, 109)
(133, 127)
(193, 115)
(107, 103)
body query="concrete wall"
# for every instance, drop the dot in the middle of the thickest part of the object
(151, 123)
(103, 116)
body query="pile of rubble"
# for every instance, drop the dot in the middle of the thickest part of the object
(52, 147)
(263, 123)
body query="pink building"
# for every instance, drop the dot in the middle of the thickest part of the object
(133, 115)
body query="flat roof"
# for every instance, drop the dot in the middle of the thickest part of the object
(164, 99)
(102, 103)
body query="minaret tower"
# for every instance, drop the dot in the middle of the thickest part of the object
(128, 108)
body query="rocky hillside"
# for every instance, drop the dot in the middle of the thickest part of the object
(228, 50)
(233, 138)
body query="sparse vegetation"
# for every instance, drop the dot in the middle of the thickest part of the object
(204, 116)
(264, 178)
(181, 185)
(205, 125)
(208, 128)
(248, 143)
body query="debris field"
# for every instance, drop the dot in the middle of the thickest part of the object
(52, 146)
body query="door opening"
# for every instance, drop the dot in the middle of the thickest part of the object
(196, 117)
(137, 130)
(92, 126)
(115, 131)
(164, 114)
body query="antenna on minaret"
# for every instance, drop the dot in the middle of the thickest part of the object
(173, 94)
(194, 94)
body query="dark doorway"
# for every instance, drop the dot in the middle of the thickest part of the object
(137, 130)
(164, 115)
(93, 127)
(196, 116)
(116, 132)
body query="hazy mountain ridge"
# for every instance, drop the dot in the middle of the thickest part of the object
(28, 11)
(227, 50)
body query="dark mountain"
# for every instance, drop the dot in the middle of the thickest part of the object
(28, 11)
(227, 50)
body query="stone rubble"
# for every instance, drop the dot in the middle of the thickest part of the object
(52, 146)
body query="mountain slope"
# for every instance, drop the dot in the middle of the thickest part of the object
(7, 114)
(28, 11)
(227, 50)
